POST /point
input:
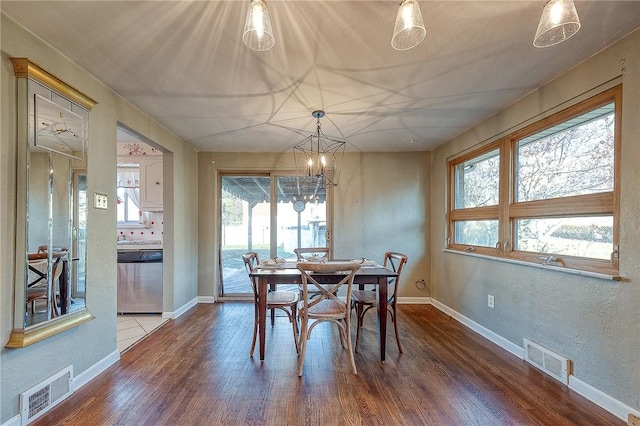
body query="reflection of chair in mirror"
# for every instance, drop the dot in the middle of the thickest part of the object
(363, 300)
(313, 254)
(286, 301)
(37, 287)
(327, 306)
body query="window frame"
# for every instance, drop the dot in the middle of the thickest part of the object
(128, 223)
(507, 212)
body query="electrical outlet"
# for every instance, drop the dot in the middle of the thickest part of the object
(99, 201)
(491, 302)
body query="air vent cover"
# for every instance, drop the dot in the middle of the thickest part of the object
(551, 363)
(40, 398)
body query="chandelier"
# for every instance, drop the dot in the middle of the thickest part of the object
(318, 157)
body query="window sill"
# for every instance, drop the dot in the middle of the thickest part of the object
(540, 266)
(130, 225)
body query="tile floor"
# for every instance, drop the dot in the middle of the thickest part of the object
(134, 327)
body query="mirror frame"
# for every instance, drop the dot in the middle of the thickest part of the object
(22, 336)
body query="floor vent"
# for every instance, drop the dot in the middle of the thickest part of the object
(551, 363)
(40, 398)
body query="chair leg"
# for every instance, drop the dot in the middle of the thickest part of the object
(273, 317)
(395, 326)
(349, 346)
(255, 331)
(294, 324)
(302, 344)
(342, 333)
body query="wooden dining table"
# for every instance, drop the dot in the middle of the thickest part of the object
(269, 276)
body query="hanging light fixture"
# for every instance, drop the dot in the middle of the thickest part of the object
(409, 30)
(558, 22)
(257, 33)
(319, 158)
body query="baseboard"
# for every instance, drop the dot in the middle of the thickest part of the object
(414, 300)
(594, 395)
(484, 332)
(184, 308)
(90, 373)
(601, 399)
(13, 421)
(206, 299)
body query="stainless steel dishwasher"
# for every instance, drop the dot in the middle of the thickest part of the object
(139, 281)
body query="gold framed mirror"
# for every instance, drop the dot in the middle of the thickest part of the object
(52, 202)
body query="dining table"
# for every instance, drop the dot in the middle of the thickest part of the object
(269, 275)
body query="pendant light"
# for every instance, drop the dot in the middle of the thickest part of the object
(257, 34)
(558, 22)
(318, 157)
(409, 30)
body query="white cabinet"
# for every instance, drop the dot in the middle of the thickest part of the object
(151, 184)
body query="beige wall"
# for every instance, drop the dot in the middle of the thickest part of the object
(385, 201)
(380, 204)
(86, 345)
(593, 322)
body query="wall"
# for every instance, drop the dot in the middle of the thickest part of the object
(87, 345)
(593, 322)
(381, 203)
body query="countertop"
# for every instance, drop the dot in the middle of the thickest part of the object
(140, 245)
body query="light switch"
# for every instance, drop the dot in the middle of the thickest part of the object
(99, 201)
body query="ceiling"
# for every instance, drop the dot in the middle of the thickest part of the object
(184, 64)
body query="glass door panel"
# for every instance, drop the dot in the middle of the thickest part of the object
(79, 248)
(249, 222)
(245, 226)
(301, 216)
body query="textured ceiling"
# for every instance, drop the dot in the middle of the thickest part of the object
(184, 63)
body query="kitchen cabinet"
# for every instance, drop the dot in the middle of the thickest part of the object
(151, 184)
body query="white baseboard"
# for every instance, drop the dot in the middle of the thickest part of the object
(13, 421)
(484, 332)
(184, 308)
(414, 300)
(596, 396)
(206, 299)
(90, 373)
(600, 398)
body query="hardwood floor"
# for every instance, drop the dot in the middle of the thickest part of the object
(196, 370)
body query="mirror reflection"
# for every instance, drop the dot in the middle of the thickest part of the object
(56, 238)
(56, 235)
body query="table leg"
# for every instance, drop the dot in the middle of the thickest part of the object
(262, 313)
(382, 315)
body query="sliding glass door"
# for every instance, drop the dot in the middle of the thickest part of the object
(250, 221)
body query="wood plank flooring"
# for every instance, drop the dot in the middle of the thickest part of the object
(196, 370)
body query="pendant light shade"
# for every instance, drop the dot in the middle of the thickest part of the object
(559, 21)
(409, 30)
(258, 34)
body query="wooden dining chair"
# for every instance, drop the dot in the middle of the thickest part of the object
(363, 300)
(313, 253)
(286, 301)
(326, 307)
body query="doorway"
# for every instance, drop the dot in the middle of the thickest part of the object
(140, 236)
(250, 221)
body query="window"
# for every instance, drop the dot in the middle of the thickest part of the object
(128, 210)
(545, 194)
